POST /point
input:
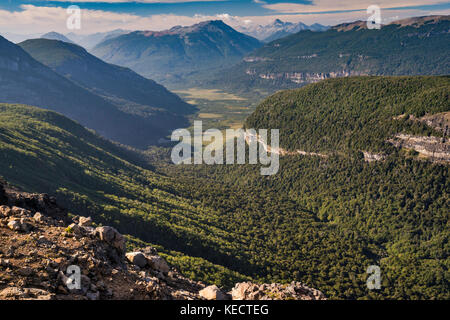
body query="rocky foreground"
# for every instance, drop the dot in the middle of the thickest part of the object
(40, 244)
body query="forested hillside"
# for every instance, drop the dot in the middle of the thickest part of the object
(42, 151)
(352, 114)
(319, 220)
(326, 219)
(416, 46)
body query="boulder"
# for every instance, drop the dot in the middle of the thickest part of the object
(93, 295)
(26, 224)
(85, 222)
(25, 293)
(75, 229)
(111, 236)
(213, 293)
(14, 225)
(17, 211)
(5, 211)
(137, 258)
(39, 217)
(158, 263)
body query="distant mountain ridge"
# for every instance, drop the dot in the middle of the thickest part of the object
(75, 63)
(279, 29)
(56, 36)
(89, 41)
(415, 46)
(27, 81)
(180, 52)
(415, 22)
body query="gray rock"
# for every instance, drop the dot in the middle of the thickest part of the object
(275, 291)
(213, 293)
(14, 225)
(158, 263)
(39, 217)
(75, 229)
(85, 222)
(112, 236)
(25, 293)
(93, 295)
(5, 211)
(137, 258)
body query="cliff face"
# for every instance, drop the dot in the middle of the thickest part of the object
(302, 77)
(436, 149)
(40, 247)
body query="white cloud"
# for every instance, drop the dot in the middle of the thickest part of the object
(333, 5)
(33, 19)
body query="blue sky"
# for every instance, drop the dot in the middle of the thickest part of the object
(191, 8)
(25, 16)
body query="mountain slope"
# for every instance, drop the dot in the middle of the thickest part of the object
(42, 151)
(171, 55)
(75, 63)
(417, 47)
(24, 80)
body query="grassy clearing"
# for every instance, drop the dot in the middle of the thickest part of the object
(218, 109)
(208, 94)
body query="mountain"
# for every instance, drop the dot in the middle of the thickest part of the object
(131, 92)
(278, 29)
(89, 41)
(416, 46)
(173, 55)
(56, 36)
(25, 80)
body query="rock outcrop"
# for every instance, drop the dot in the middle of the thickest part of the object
(431, 148)
(38, 202)
(275, 291)
(44, 255)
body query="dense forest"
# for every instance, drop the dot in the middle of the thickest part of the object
(320, 220)
(352, 114)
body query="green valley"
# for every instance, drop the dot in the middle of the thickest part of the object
(321, 221)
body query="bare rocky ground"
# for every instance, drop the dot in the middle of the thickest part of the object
(38, 243)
